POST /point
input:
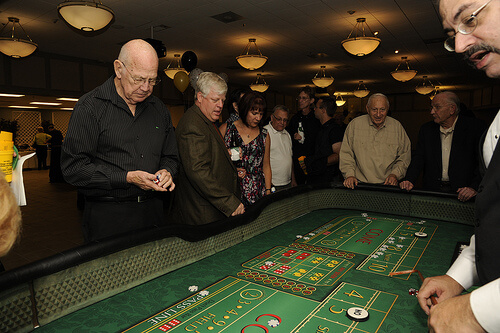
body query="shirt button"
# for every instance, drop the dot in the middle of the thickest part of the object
(142, 156)
(137, 137)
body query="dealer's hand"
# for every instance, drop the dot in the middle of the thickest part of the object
(453, 315)
(442, 286)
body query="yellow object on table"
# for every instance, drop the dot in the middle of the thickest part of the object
(6, 154)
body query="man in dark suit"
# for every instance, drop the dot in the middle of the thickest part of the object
(447, 150)
(472, 28)
(207, 188)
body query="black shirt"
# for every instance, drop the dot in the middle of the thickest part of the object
(105, 140)
(317, 166)
(311, 127)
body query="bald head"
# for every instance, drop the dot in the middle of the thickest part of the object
(445, 107)
(139, 52)
(136, 68)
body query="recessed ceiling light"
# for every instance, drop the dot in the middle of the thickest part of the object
(67, 99)
(11, 95)
(45, 103)
(396, 51)
(23, 107)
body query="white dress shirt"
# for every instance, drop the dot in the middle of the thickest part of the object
(484, 301)
(281, 156)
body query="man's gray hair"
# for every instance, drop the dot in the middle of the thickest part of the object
(378, 95)
(208, 81)
(452, 98)
(282, 108)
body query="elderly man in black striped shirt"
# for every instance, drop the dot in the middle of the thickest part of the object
(120, 148)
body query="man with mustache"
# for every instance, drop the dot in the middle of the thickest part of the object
(375, 148)
(472, 29)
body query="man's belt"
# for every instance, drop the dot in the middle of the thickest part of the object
(135, 198)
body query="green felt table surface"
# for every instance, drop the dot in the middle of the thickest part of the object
(392, 309)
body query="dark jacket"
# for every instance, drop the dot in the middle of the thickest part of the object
(207, 188)
(463, 167)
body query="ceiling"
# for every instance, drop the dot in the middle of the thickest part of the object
(297, 35)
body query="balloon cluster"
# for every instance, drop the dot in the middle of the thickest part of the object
(189, 61)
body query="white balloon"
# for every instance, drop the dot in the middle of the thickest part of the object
(194, 75)
(224, 76)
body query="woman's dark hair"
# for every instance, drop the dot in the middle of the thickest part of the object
(234, 97)
(249, 101)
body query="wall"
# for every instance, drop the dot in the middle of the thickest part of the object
(55, 75)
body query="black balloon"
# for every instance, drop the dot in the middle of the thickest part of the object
(189, 60)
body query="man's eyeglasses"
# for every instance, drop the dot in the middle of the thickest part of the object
(302, 98)
(139, 81)
(465, 27)
(280, 120)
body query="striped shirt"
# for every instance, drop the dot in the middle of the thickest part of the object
(105, 141)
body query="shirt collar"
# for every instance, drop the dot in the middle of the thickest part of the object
(373, 125)
(274, 130)
(108, 92)
(450, 129)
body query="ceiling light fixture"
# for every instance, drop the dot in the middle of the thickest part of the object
(249, 60)
(321, 80)
(174, 67)
(361, 90)
(86, 15)
(404, 75)
(339, 100)
(259, 85)
(16, 47)
(357, 43)
(436, 91)
(426, 87)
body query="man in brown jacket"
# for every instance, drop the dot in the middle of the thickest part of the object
(207, 188)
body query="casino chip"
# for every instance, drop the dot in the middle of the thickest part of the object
(420, 234)
(357, 314)
(204, 293)
(193, 288)
(273, 322)
(299, 236)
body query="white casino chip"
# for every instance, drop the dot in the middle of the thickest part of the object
(299, 236)
(204, 293)
(306, 238)
(269, 263)
(193, 288)
(273, 322)
(357, 314)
